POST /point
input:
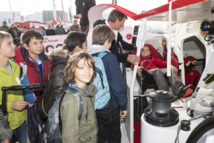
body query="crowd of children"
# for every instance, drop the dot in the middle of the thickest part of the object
(69, 66)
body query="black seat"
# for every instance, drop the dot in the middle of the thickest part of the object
(147, 81)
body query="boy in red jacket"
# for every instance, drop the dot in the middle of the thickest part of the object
(158, 69)
(33, 60)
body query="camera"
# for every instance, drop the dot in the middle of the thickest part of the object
(209, 27)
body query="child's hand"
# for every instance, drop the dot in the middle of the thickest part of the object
(123, 114)
(19, 105)
(30, 105)
(139, 72)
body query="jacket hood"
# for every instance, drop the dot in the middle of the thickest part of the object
(97, 49)
(57, 52)
(58, 56)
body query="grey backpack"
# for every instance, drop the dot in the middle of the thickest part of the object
(53, 124)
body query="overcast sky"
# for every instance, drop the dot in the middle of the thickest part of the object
(27, 7)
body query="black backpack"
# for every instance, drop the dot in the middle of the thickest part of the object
(53, 126)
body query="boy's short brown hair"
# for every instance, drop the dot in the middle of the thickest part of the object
(4, 35)
(29, 34)
(72, 64)
(101, 33)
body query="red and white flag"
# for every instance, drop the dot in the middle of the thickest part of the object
(13, 16)
(59, 18)
(70, 15)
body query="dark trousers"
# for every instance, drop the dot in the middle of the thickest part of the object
(109, 125)
(175, 82)
(20, 134)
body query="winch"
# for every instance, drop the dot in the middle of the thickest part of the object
(160, 113)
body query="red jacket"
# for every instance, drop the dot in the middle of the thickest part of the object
(151, 63)
(32, 69)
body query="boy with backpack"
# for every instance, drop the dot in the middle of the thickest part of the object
(112, 104)
(79, 71)
(74, 43)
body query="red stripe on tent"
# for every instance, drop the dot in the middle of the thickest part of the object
(121, 9)
(175, 4)
(164, 8)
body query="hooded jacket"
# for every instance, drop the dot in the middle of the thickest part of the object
(72, 130)
(59, 59)
(33, 72)
(152, 63)
(15, 118)
(114, 76)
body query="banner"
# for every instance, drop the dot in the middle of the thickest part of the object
(51, 42)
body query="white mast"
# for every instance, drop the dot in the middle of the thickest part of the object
(54, 10)
(114, 2)
(63, 13)
(70, 11)
(10, 6)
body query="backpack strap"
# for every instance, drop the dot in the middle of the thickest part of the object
(101, 54)
(78, 97)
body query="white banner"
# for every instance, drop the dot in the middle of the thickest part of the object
(51, 42)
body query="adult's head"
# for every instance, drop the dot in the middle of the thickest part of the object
(33, 27)
(4, 23)
(49, 26)
(116, 19)
(75, 22)
(12, 25)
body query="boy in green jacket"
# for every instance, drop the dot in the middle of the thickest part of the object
(9, 76)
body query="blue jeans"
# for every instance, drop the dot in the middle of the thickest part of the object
(20, 134)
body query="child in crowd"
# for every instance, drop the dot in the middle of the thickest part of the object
(109, 128)
(31, 56)
(9, 75)
(74, 43)
(158, 69)
(78, 73)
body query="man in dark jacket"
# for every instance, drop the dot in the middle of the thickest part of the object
(50, 31)
(116, 21)
(82, 8)
(4, 27)
(15, 34)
